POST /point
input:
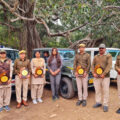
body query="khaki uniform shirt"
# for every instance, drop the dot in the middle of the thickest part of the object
(105, 62)
(11, 71)
(35, 63)
(82, 60)
(21, 64)
(117, 65)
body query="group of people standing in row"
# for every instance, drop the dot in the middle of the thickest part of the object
(102, 61)
(100, 68)
(21, 82)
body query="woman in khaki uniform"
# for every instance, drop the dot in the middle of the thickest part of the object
(37, 83)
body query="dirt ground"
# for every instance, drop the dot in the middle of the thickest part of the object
(63, 109)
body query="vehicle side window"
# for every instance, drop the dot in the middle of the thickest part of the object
(96, 52)
(67, 55)
(89, 52)
(12, 54)
(16, 54)
(114, 54)
(45, 54)
(119, 53)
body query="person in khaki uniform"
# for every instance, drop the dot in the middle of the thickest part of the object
(37, 84)
(21, 63)
(102, 81)
(5, 89)
(82, 59)
(117, 68)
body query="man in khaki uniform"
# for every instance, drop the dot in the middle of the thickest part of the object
(19, 65)
(117, 68)
(102, 82)
(82, 59)
(5, 89)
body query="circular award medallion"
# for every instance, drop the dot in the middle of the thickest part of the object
(39, 71)
(99, 71)
(80, 70)
(4, 79)
(24, 72)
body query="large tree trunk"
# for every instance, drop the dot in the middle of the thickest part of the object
(29, 36)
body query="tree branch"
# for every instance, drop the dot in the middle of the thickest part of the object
(16, 14)
(116, 27)
(112, 7)
(10, 26)
(63, 34)
(41, 21)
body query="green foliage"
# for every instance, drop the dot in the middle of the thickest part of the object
(71, 13)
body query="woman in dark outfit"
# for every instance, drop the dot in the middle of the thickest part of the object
(54, 66)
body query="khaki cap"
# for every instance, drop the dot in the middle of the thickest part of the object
(22, 52)
(2, 51)
(82, 45)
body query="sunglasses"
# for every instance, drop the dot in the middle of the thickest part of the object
(101, 48)
(2, 53)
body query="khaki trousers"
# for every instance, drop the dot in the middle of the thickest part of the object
(82, 83)
(102, 85)
(21, 83)
(37, 91)
(118, 86)
(5, 96)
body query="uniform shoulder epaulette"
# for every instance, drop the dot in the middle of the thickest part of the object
(96, 55)
(109, 55)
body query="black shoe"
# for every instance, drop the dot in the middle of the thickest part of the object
(53, 98)
(105, 108)
(97, 105)
(79, 102)
(118, 111)
(84, 103)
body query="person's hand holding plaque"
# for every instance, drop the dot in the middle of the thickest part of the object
(76, 74)
(9, 81)
(118, 71)
(35, 75)
(85, 74)
(95, 75)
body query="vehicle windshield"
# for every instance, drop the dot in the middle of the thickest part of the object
(114, 53)
(67, 54)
